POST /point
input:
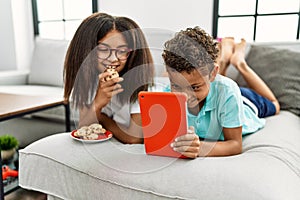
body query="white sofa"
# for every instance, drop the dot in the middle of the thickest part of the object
(45, 76)
(267, 169)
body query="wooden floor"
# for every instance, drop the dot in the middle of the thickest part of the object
(22, 194)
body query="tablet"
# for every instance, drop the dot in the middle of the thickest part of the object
(164, 118)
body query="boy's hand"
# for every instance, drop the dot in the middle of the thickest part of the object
(188, 144)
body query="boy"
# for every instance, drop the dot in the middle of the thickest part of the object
(219, 112)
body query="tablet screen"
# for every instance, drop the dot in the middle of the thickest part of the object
(163, 119)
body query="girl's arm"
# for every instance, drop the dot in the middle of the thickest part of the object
(92, 114)
(105, 91)
(87, 116)
(190, 145)
(131, 135)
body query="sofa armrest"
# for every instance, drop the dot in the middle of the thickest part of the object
(14, 77)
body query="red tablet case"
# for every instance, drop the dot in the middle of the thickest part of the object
(164, 118)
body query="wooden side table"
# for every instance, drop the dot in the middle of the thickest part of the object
(16, 105)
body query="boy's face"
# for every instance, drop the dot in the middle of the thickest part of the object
(195, 85)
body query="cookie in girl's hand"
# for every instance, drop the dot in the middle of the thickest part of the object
(112, 73)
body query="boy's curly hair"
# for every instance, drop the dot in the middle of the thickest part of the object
(191, 49)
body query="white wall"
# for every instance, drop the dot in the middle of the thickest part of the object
(172, 15)
(7, 48)
(16, 35)
(23, 32)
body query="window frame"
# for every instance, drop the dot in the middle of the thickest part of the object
(216, 17)
(36, 20)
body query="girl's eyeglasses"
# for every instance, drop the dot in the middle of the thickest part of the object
(121, 53)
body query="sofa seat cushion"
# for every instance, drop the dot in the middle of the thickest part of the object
(33, 90)
(268, 168)
(13, 77)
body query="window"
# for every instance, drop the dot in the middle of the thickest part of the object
(59, 19)
(257, 20)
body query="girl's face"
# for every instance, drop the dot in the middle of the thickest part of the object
(112, 50)
(194, 85)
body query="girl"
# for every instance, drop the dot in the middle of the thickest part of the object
(101, 41)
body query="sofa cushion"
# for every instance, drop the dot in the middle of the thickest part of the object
(69, 169)
(47, 62)
(280, 69)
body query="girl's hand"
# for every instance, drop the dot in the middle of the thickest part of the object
(106, 90)
(188, 144)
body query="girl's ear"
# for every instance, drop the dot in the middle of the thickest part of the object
(214, 73)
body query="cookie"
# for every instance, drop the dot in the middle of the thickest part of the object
(81, 132)
(92, 136)
(113, 73)
(97, 128)
(90, 132)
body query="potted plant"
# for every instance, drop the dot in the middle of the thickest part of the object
(8, 146)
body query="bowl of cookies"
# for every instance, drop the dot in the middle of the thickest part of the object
(92, 133)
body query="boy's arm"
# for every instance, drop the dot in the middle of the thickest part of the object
(190, 145)
(231, 145)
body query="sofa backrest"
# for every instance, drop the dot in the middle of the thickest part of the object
(48, 57)
(47, 62)
(156, 39)
(278, 64)
(292, 46)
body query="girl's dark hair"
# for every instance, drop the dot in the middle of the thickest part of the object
(191, 49)
(80, 67)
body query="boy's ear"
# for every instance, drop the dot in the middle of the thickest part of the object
(214, 73)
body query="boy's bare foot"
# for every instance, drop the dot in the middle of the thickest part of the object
(226, 51)
(238, 57)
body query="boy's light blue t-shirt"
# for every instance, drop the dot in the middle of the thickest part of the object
(224, 107)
